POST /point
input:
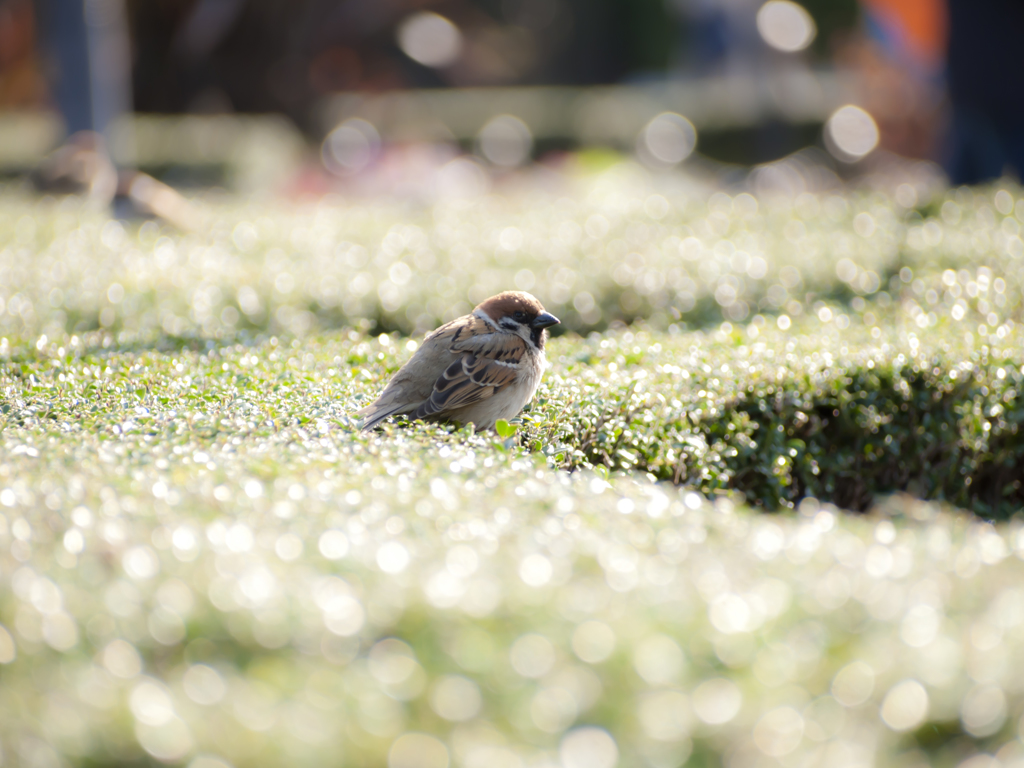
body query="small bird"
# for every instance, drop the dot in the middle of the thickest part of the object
(478, 368)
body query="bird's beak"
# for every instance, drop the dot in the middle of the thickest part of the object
(544, 319)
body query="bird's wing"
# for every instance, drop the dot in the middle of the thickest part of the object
(475, 377)
(485, 342)
(466, 330)
(476, 360)
(413, 383)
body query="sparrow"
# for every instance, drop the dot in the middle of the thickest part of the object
(479, 368)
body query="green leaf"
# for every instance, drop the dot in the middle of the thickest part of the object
(504, 429)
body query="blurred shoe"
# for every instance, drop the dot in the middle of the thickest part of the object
(147, 196)
(80, 167)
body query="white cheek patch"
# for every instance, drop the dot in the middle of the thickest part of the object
(483, 316)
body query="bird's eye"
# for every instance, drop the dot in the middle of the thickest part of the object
(519, 315)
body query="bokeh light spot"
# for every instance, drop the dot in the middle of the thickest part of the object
(392, 661)
(208, 761)
(851, 134)
(853, 684)
(729, 614)
(333, 544)
(779, 731)
(8, 650)
(535, 570)
(151, 703)
(350, 147)
(170, 741)
(505, 141)
(121, 659)
(668, 139)
(717, 701)
(141, 562)
(786, 26)
(983, 710)
(344, 615)
(665, 715)
(417, 750)
(430, 39)
(532, 655)
(553, 709)
(455, 698)
(203, 685)
(60, 631)
(462, 561)
(905, 706)
(593, 641)
(462, 177)
(392, 557)
(288, 547)
(588, 747)
(659, 660)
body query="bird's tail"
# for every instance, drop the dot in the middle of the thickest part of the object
(375, 413)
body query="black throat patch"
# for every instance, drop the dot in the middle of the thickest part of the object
(537, 337)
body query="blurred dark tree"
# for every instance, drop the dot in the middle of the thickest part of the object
(650, 37)
(834, 18)
(265, 55)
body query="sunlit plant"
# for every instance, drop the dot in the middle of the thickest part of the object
(203, 562)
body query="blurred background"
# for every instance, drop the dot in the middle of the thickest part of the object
(309, 96)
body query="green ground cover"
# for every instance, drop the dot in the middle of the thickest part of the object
(203, 562)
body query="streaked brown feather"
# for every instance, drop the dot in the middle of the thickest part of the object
(492, 345)
(467, 381)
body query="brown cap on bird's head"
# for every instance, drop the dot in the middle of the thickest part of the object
(507, 303)
(520, 306)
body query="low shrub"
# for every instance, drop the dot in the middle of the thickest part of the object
(621, 246)
(783, 417)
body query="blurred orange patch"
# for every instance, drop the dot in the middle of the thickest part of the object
(922, 24)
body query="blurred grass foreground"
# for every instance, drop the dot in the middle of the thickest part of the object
(204, 564)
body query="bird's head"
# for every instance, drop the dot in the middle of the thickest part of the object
(519, 313)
